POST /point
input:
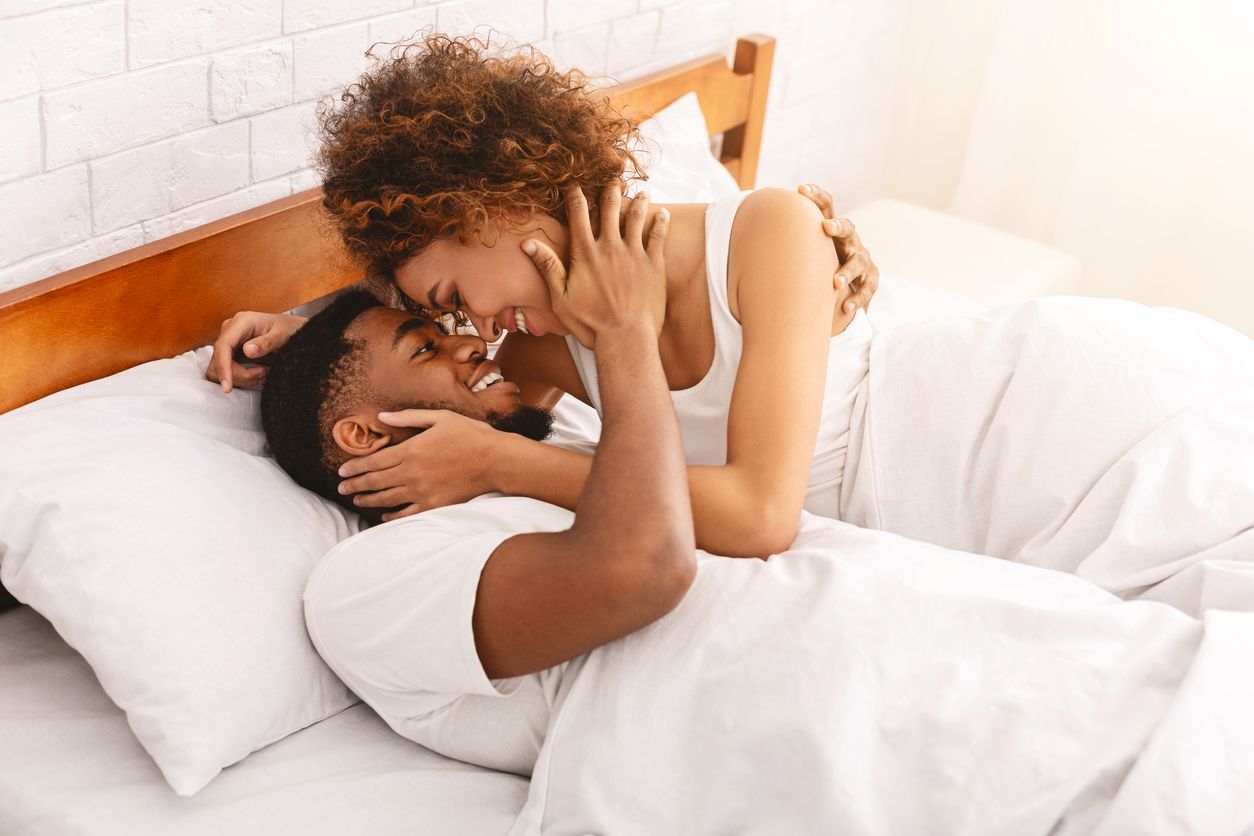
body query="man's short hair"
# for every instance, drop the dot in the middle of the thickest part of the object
(315, 379)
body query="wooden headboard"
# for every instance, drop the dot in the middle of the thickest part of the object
(171, 295)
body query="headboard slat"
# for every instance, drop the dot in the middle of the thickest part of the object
(171, 295)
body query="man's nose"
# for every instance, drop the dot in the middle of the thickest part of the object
(467, 348)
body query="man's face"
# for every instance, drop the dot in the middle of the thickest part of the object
(412, 363)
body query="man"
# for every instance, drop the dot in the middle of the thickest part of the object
(808, 689)
(534, 600)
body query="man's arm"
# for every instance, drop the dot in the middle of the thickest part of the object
(629, 557)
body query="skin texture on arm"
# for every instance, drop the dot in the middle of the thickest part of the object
(543, 368)
(546, 598)
(787, 317)
(750, 506)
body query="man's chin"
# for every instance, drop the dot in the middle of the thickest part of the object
(528, 421)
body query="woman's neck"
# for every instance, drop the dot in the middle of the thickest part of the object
(684, 248)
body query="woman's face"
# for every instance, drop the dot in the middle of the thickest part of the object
(495, 284)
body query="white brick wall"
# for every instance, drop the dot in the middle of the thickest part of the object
(125, 121)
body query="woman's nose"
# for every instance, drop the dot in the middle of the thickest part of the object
(486, 327)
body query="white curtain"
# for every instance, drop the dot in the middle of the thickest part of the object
(1119, 131)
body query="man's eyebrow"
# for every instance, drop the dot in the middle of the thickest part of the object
(406, 327)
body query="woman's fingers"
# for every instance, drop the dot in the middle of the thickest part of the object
(372, 480)
(407, 511)
(386, 498)
(549, 265)
(611, 202)
(415, 418)
(633, 230)
(385, 458)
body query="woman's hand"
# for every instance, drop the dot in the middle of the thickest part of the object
(445, 465)
(857, 271)
(260, 334)
(614, 278)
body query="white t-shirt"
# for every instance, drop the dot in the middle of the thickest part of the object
(390, 611)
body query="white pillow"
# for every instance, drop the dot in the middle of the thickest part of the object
(142, 517)
(675, 153)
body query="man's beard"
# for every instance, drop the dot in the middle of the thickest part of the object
(528, 421)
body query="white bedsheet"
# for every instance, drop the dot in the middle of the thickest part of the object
(865, 683)
(69, 766)
(1097, 437)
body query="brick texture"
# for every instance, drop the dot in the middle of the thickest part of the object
(129, 120)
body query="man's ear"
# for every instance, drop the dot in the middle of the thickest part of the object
(362, 433)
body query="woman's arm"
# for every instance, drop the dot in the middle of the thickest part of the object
(749, 507)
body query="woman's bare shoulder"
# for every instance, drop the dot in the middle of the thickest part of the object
(774, 228)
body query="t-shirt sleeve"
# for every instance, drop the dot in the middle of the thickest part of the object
(390, 611)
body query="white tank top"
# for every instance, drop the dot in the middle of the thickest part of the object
(702, 409)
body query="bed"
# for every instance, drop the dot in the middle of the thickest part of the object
(69, 763)
(78, 753)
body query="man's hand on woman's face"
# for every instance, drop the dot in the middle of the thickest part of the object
(616, 276)
(857, 271)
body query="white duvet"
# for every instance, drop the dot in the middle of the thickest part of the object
(863, 683)
(1098, 437)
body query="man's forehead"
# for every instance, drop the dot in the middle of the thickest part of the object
(389, 325)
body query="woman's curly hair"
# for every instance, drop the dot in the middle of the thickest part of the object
(449, 133)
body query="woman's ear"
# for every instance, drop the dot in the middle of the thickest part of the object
(361, 434)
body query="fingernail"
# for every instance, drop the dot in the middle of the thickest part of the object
(806, 187)
(663, 213)
(850, 306)
(250, 349)
(529, 247)
(386, 414)
(341, 488)
(841, 281)
(342, 471)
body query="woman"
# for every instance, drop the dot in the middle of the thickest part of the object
(457, 174)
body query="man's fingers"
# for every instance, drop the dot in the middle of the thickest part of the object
(577, 220)
(820, 197)
(549, 265)
(611, 201)
(850, 271)
(865, 289)
(636, 214)
(417, 418)
(248, 376)
(838, 228)
(657, 235)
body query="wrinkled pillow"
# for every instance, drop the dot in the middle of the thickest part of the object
(142, 516)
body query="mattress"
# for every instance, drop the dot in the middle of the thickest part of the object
(69, 766)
